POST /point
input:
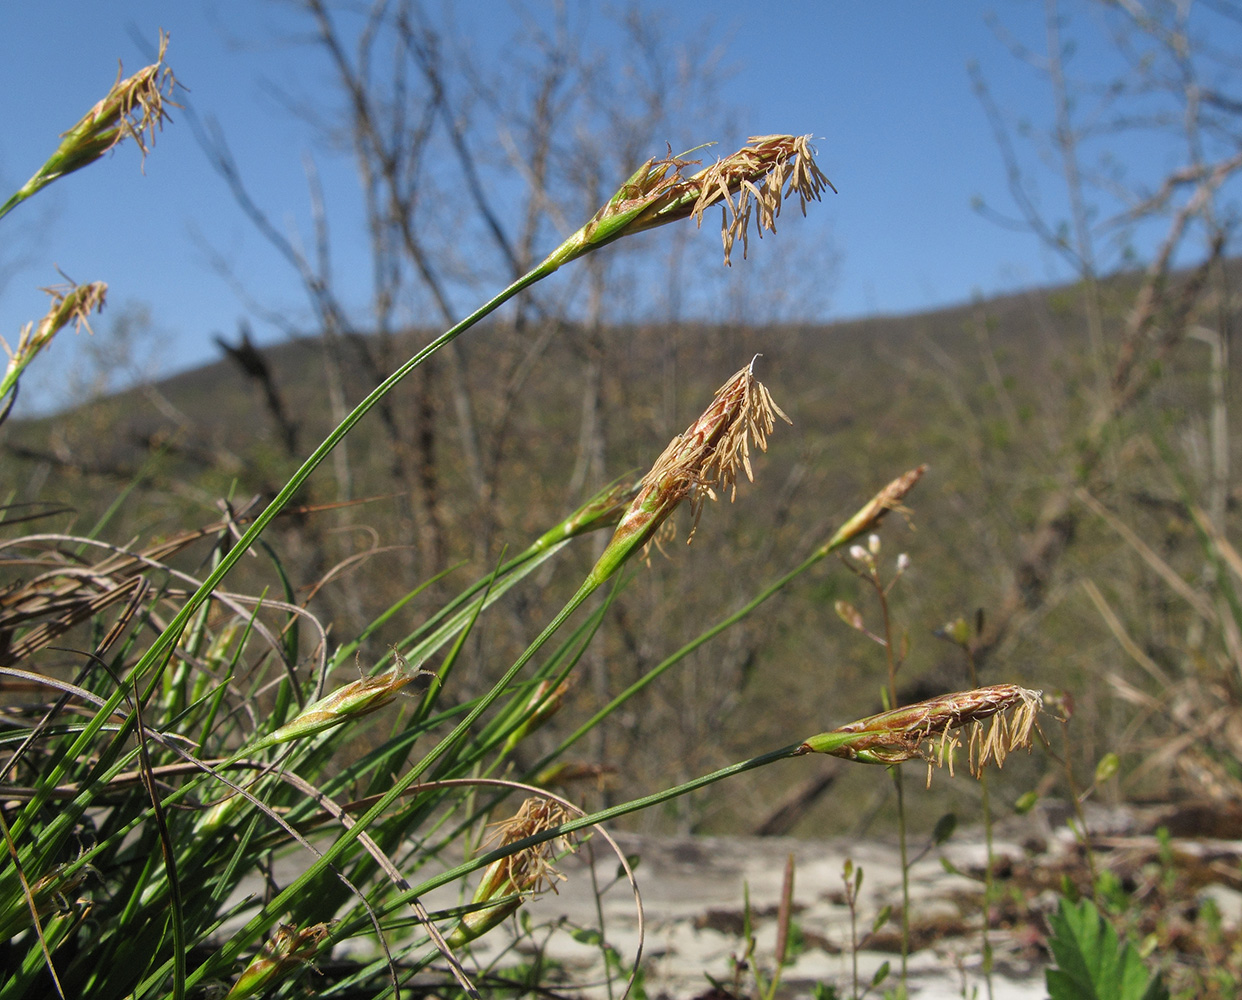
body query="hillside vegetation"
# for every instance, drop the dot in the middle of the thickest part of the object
(992, 396)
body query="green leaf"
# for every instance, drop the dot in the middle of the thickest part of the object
(1092, 962)
(881, 918)
(945, 826)
(881, 974)
(950, 867)
(1109, 765)
(585, 935)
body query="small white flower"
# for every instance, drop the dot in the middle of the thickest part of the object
(873, 543)
(903, 562)
(860, 554)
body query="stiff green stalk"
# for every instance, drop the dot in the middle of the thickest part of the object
(651, 197)
(603, 816)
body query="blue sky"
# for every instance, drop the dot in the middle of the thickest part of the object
(883, 87)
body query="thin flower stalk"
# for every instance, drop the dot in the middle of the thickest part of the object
(696, 464)
(509, 881)
(756, 180)
(930, 730)
(72, 304)
(134, 108)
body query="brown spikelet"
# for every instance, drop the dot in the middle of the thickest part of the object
(755, 180)
(509, 880)
(709, 454)
(999, 720)
(874, 510)
(757, 175)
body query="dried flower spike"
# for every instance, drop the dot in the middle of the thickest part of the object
(508, 881)
(70, 304)
(133, 108)
(756, 179)
(696, 464)
(360, 698)
(873, 510)
(288, 949)
(927, 730)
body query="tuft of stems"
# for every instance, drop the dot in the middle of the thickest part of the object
(927, 730)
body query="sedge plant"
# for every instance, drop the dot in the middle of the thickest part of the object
(167, 739)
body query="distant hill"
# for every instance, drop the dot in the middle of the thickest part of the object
(991, 395)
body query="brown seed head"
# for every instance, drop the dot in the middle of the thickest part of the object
(756, 179)
(133, 108)
(289, 948)
(695, 464)
(528, 872)
(874, 510)
(929, 729)
(708, 455)
(758, 174)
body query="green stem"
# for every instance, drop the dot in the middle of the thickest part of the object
(905, 877)
(681, 654)
(169, 636)
(603, 816)
(263, 919)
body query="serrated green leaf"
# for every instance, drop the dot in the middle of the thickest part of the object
(1093, 963)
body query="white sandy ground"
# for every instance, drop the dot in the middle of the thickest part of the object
(681, 879)
(684, 879)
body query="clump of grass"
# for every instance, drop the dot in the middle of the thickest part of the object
(172, 737)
